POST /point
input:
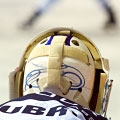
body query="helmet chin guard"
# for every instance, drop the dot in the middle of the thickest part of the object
(65, 62)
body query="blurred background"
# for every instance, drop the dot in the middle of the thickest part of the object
(21, 20)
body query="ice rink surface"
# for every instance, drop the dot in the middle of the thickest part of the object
(83, 15)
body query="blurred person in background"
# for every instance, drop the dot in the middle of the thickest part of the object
(44, 5)
(41, 7)
(111, 16)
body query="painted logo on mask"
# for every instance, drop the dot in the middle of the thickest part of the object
(69, 72)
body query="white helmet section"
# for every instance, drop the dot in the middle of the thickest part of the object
(71, 76)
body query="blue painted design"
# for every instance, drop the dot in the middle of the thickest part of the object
(67, 42)
(49, 41)
(79, 76)
(103, 101)
(106, 85)
(105, 94)
(42, 67)
(33, 75)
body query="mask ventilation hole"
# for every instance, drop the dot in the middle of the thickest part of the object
(75, 42)
(80, 89)
(43, 41)
(30, 86)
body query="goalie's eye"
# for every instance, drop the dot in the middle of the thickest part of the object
(75, 42)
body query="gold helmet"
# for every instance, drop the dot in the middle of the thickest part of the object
(64, 62)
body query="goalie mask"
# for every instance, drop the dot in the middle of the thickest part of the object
(64, 62)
